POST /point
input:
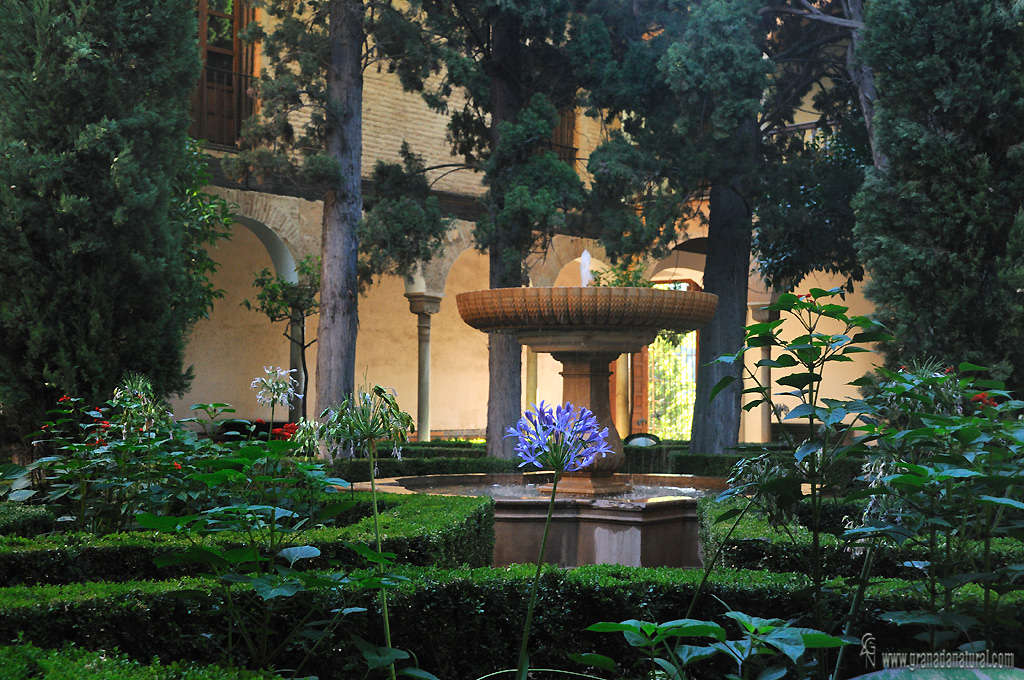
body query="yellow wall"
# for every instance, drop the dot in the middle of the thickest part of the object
(230, 349)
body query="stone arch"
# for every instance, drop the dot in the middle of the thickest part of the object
(280, 255)
(432, 276)
(544, 268)
(288, 227)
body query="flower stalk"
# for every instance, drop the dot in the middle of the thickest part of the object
(563, 439)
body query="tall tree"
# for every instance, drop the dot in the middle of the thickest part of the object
(94, 103)
(310, 127)
(704, 154)
(717, 71)
(941, 229)
(511, 61)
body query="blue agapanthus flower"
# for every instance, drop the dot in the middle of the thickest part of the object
(564, 439)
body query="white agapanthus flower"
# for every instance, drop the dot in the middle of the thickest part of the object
(277, 388)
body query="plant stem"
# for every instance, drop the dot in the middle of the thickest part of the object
(372, 446)
(524, 661)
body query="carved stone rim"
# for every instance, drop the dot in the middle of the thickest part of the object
(518, 309)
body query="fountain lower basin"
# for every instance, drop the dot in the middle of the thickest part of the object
(656, 531)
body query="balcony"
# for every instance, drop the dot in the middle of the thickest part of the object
(219, 105)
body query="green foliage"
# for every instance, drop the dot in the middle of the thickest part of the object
(283, 300)
(403, 225)
(672, 386)
(628, 274)
(26, 662)
(291, 301)
(940, 231)
(204, 220)
(804, 215)
(421, 530)
(93, 263)
(773, 648)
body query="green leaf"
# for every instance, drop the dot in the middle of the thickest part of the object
(596, 660)
(772, 673)
(799, 380)
(371, 555)
(242, 555)
(378, 657)
(302, 552)
(691, 653)
(414, 672)
(269, 587)
(692, 628)
(727, 515)
(721, 385)
(994, 500)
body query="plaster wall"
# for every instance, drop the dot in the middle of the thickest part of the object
(230, 348)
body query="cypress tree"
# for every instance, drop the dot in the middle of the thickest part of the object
(93, 119)
(940, 231)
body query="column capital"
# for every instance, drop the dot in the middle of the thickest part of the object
(424, 303)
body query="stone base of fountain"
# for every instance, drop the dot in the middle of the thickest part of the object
(660, 531)
(656, 532)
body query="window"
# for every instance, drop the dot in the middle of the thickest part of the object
(563, 141)
(223, 98)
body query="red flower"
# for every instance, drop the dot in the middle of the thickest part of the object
(177, 465)
(983, 399)
(286, 431)
(949, 369)
(105, 424)
(63, 399)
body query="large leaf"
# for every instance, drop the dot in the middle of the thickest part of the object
(721, 385)
(269, 587)
(596, 660)
(301, 552)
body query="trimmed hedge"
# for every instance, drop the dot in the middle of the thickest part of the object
(358, 469)
(463, 623)
(420, 529)
(755, 544)
(18, 519)
(26, 661)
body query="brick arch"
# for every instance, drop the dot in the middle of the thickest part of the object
(282, 219)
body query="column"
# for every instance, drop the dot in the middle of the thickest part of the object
(423, 305)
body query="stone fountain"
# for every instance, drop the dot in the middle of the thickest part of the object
(586, 329)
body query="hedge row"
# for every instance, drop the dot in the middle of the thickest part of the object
(26, 661)
(419, 529)
(755, 544)
(18, 519)
(358, 469)
(462, 623)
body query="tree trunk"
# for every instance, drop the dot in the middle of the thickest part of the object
(716, 424)
(343, 207)
(863, 79)
(505, 255)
